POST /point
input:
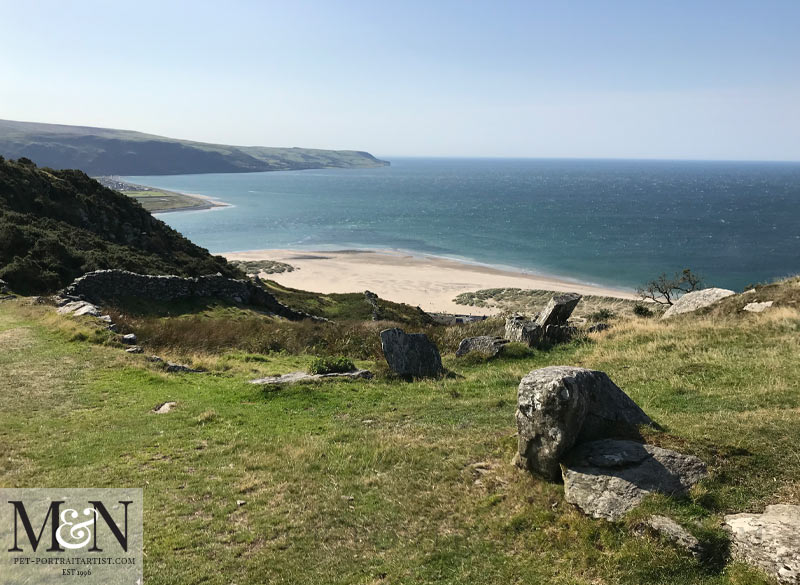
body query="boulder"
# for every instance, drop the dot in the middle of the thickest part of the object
(559, 406)
(695, 300)
(134, 349)
(79, 308)
(757, 307)
(485, 344)
(524, 331)
(558, 309)
(770, 540)
(609, 477)
(129, 339)
(411, 354)
(294, 377)
(3, 286)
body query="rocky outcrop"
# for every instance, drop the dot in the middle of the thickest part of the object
(770, 540)
(485, 344)
(295, 377)
(549, 326)
(560, 406)
(695, 300)
(411, 355)
(105, 286)
(757, 307)
(608, 478)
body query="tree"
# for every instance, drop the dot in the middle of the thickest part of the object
(666, 291)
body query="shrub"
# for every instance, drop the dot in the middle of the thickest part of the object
(641, 311)
(601, 315)
(665, 290)
(328, 365)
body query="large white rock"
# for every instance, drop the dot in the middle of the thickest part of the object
(757, 307)
(695, 300)
(770, 540)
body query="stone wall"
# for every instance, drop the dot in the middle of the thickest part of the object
(106, 286)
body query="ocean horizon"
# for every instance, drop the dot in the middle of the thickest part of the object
(614, 223)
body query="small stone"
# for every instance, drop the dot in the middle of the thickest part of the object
(129, 338)
(240, 503)
(599, 327)
(105, 318)
(134, 349)
(154, 359)
(165, 407)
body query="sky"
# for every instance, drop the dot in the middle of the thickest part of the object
(591, 79)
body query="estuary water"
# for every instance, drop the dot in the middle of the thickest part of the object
(611, 222)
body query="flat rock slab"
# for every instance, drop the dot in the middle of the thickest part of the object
(560, 406)
(757, 307)
(79, 308)
(770, 540)
(411, 354)
(485, 344)
(295, 377)
(695, 300)
(608, 478)
(173, 367)
(674, 532)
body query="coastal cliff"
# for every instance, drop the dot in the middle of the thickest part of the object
(105, 151)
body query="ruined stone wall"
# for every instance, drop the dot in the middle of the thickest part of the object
(105, 286)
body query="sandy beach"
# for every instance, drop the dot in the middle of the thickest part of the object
(426, 281)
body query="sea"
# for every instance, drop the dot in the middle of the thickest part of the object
(616, 223)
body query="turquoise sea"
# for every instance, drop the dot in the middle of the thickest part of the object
(611, 222)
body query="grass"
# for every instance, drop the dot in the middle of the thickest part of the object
(383, 481)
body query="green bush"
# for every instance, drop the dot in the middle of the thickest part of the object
(641, 311)
(601, 315)
(327, 365)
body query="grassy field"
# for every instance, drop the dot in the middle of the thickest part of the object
(385, 481)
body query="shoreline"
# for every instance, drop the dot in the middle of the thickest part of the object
(430, 282)
(207, 203)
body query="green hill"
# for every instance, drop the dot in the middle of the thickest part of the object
(57, 225)
(104, 151)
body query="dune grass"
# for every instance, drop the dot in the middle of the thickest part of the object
(384, 481)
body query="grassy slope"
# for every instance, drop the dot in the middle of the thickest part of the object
(58, 225)
(105, 151)
(389, 482)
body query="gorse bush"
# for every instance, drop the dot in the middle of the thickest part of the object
(641, 311)
(601, 315)
(329, 365)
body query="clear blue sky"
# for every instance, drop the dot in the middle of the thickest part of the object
(641, 79)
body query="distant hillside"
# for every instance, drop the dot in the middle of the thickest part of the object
(103, 151)
(57, 225)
